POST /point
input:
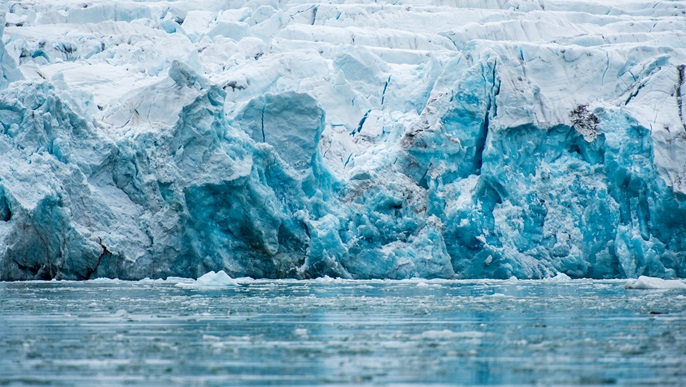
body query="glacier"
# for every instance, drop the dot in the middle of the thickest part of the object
(352, 139)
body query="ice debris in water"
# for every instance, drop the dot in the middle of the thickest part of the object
(644, 282)
(209, 280)
(561, 277)
(478, 139)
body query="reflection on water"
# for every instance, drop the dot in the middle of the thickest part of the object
(341, 332)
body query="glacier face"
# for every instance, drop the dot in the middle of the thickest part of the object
(435, 139)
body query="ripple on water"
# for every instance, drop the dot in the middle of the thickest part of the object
(336, 331)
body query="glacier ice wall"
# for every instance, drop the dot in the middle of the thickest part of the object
(435, 139)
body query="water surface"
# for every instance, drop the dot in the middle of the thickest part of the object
(341, 332)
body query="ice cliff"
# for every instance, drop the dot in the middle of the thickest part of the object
(436, 138)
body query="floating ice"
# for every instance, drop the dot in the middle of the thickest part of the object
(209, 280)
(644, 282)
(560, 277)
(480, 139)
(447, 334)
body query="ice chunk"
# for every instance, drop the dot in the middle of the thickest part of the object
(560, 277)
(447, 334)
(219, 278)
(644, 282)
(209, 280)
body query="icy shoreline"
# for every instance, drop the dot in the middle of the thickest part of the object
(218, 280)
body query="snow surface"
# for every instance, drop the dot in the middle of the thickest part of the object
(432, 139)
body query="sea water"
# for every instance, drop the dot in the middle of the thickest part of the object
(262, 332)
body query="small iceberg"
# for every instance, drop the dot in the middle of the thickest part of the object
(561, 277)
(209, 280)
(644, 282)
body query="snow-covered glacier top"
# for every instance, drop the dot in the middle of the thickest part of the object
(355, 139)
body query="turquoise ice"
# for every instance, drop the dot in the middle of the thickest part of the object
(274, 141)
